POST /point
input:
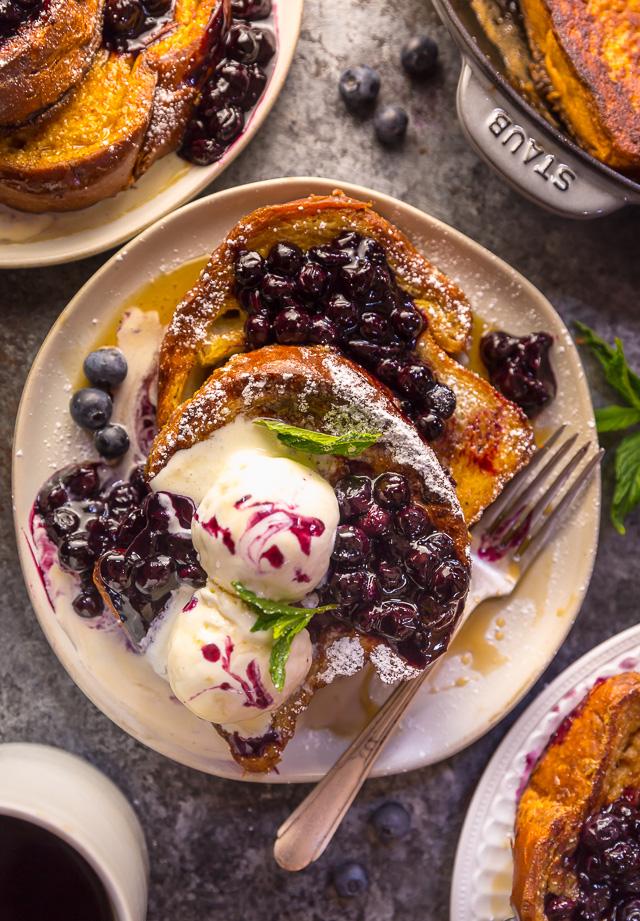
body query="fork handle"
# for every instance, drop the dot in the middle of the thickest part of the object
(310, 828)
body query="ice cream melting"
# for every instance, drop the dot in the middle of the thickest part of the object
(269, 522)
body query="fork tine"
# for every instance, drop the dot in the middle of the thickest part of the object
(520, 500)
(532, 516)
(511, 489)
(542, 536)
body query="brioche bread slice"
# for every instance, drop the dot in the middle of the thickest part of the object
(318, 389)
(593, 758)
(488, 439)
(47, 56)
(586, 54)
(126, 113)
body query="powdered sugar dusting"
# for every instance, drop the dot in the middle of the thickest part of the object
(390, 667)
(344, 657)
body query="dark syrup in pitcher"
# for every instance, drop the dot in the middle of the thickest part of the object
(43, 877)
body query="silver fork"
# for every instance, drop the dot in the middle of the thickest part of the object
(507, 539)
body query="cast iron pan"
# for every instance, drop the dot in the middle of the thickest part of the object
(516, 140)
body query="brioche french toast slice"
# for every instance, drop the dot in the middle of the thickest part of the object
(46, 56)
(586, 64)
(128, 111)
(483, 443)
(398, 599)
(581, 800)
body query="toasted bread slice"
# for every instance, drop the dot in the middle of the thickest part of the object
(317, 388)
(587, 56)
(47, 56)
(592, 759)
(488, 439)
(127, 112)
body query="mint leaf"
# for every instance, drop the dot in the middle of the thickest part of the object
(627, 492)
(285, 621)
(351, 444)
(614, 418)
(616, 369)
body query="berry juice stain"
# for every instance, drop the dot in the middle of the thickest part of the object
(43, 877)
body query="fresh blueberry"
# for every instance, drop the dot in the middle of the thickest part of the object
(91, 408)
(359, 87)
(391, 821)
(419, 56)
(390, 124)
(350, 879)
(105, 367)
(111, 441)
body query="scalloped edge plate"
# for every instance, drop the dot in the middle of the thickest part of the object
(497, 656)
(481, 885)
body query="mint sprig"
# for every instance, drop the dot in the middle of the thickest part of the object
(350, 444)
(285, 621)
(616, 418)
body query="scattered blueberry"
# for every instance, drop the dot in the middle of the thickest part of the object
(390, 124)
(350, 879)
(391, 821)
(359, 87)
(91, 408)
(111, 441)
(419, 56)
(105, 367)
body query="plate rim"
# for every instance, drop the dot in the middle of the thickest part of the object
(65, 248)
(313, 185)
(597, 659)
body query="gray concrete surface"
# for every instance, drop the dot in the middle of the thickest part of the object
(210, 840)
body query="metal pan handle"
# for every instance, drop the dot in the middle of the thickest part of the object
(529, 158)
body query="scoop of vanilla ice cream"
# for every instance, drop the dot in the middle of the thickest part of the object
(219, 669)
(269, 523)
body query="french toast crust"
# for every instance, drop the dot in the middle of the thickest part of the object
(151, 100)
(46, 57)
(306, 222)
(489, 438)
(582, 769)
(320, 389)
(587, 51)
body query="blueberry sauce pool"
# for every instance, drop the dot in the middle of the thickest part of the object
(519, 367)
(83, 509)
(607, 864)
(344, 294)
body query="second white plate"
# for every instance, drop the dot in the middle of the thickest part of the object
(497, 656)
(483, 870)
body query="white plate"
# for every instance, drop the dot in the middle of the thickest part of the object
(483, 869)
(498, 655)
(49, 239)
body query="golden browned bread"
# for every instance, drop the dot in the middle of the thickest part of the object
(318, 389)
(126, 113)
(588, 52)
(47, 56)
(487, 440)
(593, 759)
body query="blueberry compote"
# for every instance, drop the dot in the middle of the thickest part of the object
(85, 513)
(16, 13)
(233, 88)
(344, 294)
(131, 25)
(520, 369)
(393, 575)
(154, 557)
(607, 863)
